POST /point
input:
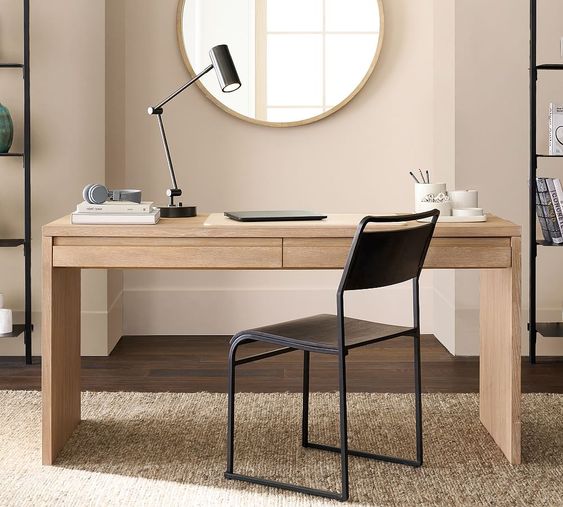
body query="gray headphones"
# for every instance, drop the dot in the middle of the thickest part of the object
(98, 194)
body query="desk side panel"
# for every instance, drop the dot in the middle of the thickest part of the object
(500, 355)
(60, 345)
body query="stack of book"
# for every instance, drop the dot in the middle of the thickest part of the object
(549, 198)
(118, 212)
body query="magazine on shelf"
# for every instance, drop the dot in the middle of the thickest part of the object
(546, 213)
(555, 202)
(555, 129)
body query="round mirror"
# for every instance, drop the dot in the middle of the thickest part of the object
(298, 61)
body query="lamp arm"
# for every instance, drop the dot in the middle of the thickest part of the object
(180, 90)
(157, 111)
(168, 157)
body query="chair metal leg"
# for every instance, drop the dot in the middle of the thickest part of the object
(230, 474)
(418, 407)
(418, 400)
(343, 425)
(231, 409)
(305, 413)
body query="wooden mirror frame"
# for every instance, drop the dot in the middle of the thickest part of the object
(210, 96)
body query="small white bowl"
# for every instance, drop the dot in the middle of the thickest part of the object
(467, 212)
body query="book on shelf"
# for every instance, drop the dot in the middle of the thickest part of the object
(149, 218)
(556, 202)
(115, 207)
(546, 210)
(555, 129)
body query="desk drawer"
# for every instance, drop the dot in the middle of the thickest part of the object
(196, 253)
(444, 253)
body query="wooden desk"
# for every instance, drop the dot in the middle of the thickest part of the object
(493, 247)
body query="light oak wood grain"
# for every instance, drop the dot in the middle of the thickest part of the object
(60, 349)
(166, 257)
(444, 253)
(187, 242)
(193, 228)
(500, 354)
(493, 247)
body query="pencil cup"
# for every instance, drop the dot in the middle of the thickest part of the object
(5, 321)
(421, 190)
(445, 208)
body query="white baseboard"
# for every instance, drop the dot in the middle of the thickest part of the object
(210, 312)
(100, 332)
(467, 332)
(224, 312)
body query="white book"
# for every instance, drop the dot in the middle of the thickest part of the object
(115, 207)
(120, 218)
(555, 129)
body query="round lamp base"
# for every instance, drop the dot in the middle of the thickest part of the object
(178, 211)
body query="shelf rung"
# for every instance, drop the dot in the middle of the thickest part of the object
(550, 66)
(11, 154)
(18, 329)
(550, 329)
(541, 242)
(11, 243)
(11, 65)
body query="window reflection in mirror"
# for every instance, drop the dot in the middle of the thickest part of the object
(298, 60)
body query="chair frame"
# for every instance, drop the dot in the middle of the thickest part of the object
(342, 350)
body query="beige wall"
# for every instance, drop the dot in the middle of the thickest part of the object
(115, 126)
(451, 79)
(356, 160)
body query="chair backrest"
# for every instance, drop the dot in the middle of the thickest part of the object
(387, 257)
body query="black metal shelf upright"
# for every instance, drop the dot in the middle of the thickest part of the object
(27, 327)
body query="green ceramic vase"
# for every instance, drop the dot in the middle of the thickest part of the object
(6, 130)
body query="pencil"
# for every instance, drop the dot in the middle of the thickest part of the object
(413, 177)
(427, 177)
(422, 176)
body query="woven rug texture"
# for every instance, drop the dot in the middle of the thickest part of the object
(168, 449)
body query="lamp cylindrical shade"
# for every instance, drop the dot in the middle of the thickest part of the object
(225, 68)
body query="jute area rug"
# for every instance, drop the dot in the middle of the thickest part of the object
(169, 449)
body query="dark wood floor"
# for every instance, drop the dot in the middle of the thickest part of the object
(191, 364)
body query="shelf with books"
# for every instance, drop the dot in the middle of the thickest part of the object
(550, 329)
(545, 207)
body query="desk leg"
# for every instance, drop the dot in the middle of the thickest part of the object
(499, 371)
(60, 349)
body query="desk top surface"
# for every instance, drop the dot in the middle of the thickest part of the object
(335, 226)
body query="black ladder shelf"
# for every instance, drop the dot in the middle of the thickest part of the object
(27, 327)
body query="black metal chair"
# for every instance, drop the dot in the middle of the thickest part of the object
(377, 258)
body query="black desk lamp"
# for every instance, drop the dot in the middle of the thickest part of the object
(229, 81)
